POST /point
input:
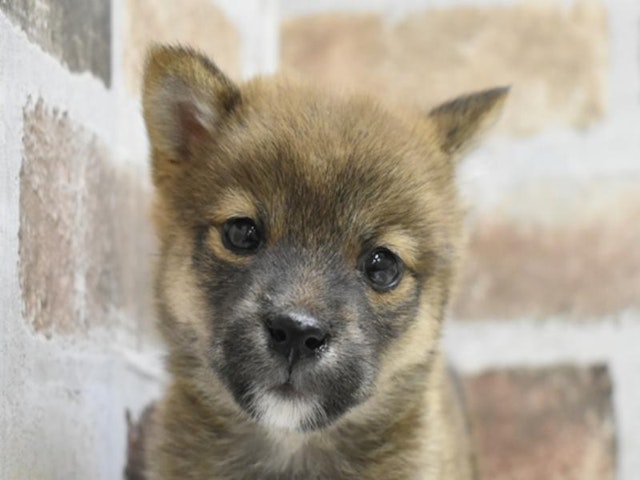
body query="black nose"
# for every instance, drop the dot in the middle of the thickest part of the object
(296, 336)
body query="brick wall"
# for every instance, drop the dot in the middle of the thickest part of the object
(76, 342)
(547, 319)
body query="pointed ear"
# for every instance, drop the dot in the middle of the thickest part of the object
(185, 98)
(460, 121)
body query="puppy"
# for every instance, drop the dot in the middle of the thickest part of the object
(308, 248)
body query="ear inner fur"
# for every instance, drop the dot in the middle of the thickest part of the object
(460, 121)
(185, 100)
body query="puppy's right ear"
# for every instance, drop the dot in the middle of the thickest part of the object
(185, 98)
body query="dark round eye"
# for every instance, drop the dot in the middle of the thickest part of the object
(383, 269)
(241, 236)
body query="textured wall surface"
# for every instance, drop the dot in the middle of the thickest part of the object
(554, 58)
(191, 22)
(545, 325)
(77, 32)
(77, 345)
(554, 422)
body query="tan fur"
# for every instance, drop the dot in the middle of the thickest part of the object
(200, 126)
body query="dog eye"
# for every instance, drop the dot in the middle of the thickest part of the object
(383, 269)
(241, 236)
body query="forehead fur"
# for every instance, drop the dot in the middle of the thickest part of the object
(338, 167)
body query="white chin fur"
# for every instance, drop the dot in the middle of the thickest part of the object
(284, 413)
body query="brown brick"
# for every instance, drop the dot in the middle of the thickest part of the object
(78, 32)
(134, 245)
(197, 23)
(554, 57)
(100, 216)
(582, 268)
(119, 246)
(86, 243)
(123, 249)
(553, 424)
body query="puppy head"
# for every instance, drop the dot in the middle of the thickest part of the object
(308, 242)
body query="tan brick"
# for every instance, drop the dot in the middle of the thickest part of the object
(134, 243)
(197, 23)
(49, 189)
(86, 243)
(100, 216)
(119, 246)
(554, 56)
(554, 423)
(584, 267)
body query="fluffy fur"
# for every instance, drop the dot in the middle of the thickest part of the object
(327, 179)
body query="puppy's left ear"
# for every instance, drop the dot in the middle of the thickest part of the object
(459, 122)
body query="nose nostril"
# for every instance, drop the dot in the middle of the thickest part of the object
(314, 343)
(279, 336)
(295, 337)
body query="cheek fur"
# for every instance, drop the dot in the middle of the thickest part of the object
(416, 344)
(393, 311)
(179, 287)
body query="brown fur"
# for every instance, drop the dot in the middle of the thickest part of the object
(332, 174)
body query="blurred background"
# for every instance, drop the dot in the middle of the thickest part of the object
(545, 328)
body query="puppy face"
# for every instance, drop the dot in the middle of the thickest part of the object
(308, 242)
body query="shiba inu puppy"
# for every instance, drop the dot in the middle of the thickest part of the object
(308, 248)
